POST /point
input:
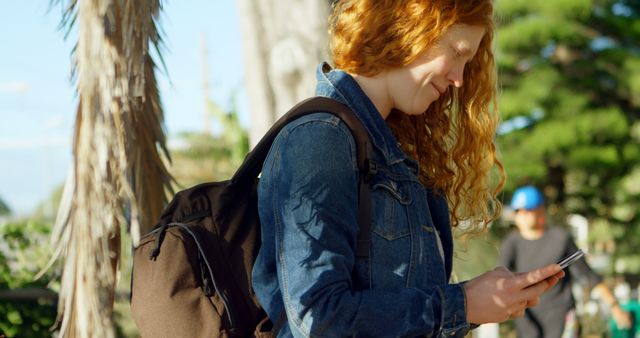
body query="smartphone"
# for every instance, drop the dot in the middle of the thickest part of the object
(565, 262)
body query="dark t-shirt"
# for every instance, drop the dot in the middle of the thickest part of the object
(521, 255)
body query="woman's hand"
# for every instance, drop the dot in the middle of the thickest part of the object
(499, 295)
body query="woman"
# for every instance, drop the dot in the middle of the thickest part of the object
(420, 76)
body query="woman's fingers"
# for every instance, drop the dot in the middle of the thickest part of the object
(500, 294)
(532, 293)
(533, 277)
(535, 290)
(517, 314)
(518, 311)
(553, 280)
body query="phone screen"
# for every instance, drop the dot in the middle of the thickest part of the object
(565, 262)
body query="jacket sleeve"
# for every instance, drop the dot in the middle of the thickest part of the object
(313, 192)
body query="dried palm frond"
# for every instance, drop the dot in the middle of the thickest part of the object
(150, 178)
(118, 176)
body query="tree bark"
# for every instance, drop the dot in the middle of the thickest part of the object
(118, 176)
(283, 41)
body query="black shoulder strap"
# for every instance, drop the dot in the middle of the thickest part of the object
(252, 164)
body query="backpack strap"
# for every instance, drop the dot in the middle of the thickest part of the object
(252, 164)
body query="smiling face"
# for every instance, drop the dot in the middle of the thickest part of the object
(414, 87)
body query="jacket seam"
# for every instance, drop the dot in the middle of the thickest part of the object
(335, 122)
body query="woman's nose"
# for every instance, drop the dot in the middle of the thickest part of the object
(455, 75)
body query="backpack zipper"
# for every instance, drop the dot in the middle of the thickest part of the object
(223, 295)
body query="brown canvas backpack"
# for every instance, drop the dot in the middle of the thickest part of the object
(192, 273)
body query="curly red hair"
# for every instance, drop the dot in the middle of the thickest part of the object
(454, 141)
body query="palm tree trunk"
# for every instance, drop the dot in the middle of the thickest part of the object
(118, 177)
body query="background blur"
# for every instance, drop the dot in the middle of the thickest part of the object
(38, 97)
(569, 73)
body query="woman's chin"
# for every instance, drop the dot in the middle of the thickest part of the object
(420, 111)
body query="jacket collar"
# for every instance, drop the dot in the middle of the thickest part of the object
(340, 86)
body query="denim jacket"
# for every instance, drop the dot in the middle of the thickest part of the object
(308, 207)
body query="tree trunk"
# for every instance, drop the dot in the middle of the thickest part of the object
(283, 41)
(118, 176)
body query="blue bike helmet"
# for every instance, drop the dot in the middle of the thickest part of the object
(527, 197)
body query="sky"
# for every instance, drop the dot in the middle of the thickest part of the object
(38, 98)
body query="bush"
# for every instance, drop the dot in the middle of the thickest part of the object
(24, 251)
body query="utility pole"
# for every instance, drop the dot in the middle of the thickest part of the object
(204, 54)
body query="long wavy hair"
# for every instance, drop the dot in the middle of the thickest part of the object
(454, 140)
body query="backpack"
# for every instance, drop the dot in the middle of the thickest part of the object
(192, 273)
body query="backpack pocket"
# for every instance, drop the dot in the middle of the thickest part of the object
(172, 283)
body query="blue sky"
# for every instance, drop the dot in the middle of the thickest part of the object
(38, 99)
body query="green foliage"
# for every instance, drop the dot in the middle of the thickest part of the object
(519, 8)
(475, 254)
(26, 319)
(570, 81)
(526, 97)
(23, 253)
(47, 209)
(206, 157)
(4, 208)
(632, 71)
